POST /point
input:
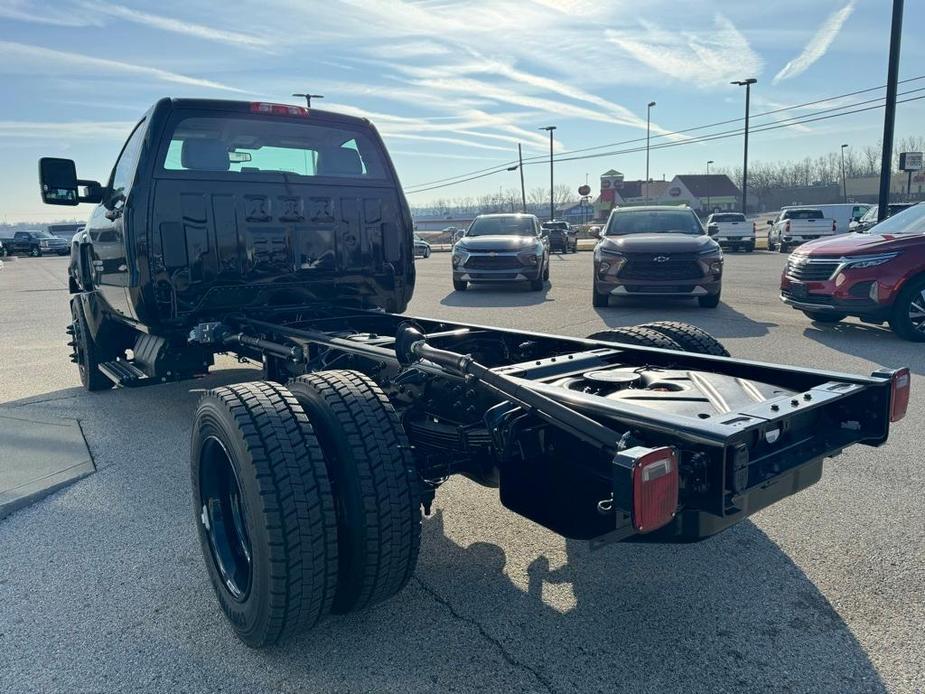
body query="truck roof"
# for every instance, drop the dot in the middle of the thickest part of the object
(245, 107)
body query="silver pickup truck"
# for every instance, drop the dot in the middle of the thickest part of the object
(797, 225)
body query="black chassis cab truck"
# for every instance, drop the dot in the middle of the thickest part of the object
(281, 234)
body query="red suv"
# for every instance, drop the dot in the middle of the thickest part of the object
(877, 276)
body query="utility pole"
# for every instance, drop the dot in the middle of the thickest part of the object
(552, 195)
(308, 98)
(844, 180)
(889, 114)
(709, 206)
(747, 83)
(648, 124)
(523, 191)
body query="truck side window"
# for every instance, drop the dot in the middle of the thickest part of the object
(124, 170)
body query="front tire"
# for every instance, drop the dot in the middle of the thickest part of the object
(908, 315)
(87, 352)
(264, 511)
(708, 301)
(460, 285)
(599, 300)
(824, 317)
(375, 480)
(36, 252)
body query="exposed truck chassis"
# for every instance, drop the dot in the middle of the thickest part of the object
(489, 404)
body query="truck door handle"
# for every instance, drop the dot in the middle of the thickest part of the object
(113, 214)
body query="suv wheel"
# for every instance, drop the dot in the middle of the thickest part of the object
(460, 285)
(599, 300)
(824, 317)
(709, 301)
(908, 319)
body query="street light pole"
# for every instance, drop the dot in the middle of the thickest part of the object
(709, 206)
(552, 195)
(523, 191)
(889, 114)
(648, 123)
(844, 180)
(747, 83)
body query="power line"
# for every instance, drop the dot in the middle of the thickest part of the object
(467, 176)
(809, 118)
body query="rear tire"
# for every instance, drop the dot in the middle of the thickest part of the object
(460, 286)
(823, 317)
(636, 335)
(375, 484)
(689, 337)
(908, 314)
(264, 511)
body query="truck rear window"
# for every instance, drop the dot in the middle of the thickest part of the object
(730, 217)
(803, 214)
(259, 145)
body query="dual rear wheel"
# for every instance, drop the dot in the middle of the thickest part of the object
(306, 499)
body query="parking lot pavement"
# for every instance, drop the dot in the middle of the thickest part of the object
(104, 589)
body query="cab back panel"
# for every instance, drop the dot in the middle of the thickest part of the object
(225, 245)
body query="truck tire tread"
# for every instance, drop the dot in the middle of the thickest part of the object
(689, 337)
(636, 335)
(376, 483)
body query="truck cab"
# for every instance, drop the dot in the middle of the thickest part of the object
(213, 205)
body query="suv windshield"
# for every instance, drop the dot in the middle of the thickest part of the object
(514, 225)
(729, 217)
(653, 222)
(909, 221)
(256, 145)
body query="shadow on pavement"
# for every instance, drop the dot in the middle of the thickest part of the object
(497, 294)
(722, 321)
(875, 343)
(731, 614)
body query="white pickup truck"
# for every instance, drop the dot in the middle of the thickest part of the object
(730, 230)
(797, 225)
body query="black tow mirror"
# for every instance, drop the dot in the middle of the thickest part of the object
(58, 180)
(60, 185)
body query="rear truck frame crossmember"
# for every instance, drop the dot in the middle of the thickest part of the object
(567, 458)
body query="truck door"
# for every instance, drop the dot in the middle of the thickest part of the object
(106, 228)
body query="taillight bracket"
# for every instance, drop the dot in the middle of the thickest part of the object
(646, 483)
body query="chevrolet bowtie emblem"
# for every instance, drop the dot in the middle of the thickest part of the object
(661, 259)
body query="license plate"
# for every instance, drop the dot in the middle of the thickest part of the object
(798, 291)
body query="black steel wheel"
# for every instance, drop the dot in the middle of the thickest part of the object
(636, 335)
(87, 352)
(908, 318)
(35, 252)
(689, 337)
(264, 511)
(376, 485)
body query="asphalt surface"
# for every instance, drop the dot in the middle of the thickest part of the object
(103, 587)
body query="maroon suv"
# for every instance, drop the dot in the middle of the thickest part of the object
(877, 276)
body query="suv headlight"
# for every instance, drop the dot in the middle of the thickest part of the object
(865, 261)
(528, 257)
(716, 265)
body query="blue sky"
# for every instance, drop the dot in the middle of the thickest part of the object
(452, 85)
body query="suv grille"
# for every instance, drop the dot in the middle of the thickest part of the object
(488, 262)
(647, 268)
(807, 269)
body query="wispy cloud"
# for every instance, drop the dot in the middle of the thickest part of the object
(37, 59)
(818, 45)
(704, 59)
(43, 13)
(177, 26)
(85, 130)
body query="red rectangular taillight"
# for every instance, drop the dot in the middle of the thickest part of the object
(900, 384)
(278, 109)
(655, 489)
